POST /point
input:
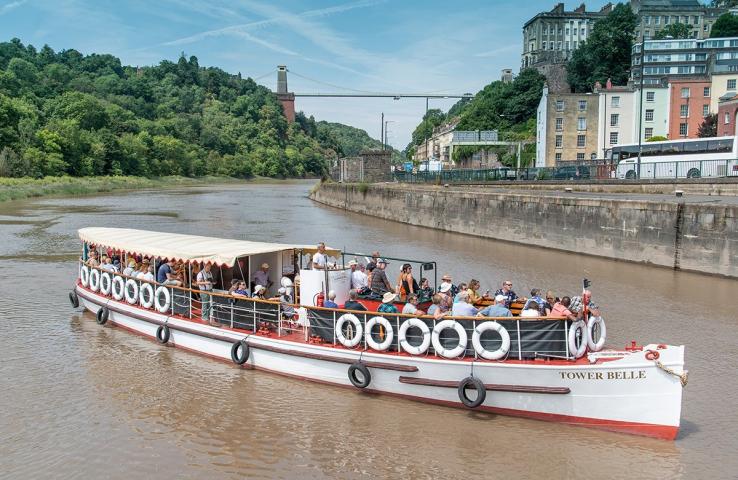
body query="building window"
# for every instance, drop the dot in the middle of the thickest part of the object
(582, 105)
(706, 92)
(615, 102)
(559, 141)
(683, 129)
(581, 140)
(582, 32)
(650, 96)
(567, 30)
(559, 124)
(613, 138)
(566, 45)
(648, 133)
(731, 84)
(727, 118)
(666, 19)
(558, 45)
(685, 92)
(647, 20)
(705, 109)
(581, 123)
(657, 20)
(649, 115)
(580, 157)
(559, 105)
(558, 157)
(684, 111)
(614, 120)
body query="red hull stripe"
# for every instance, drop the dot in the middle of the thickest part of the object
(487, 386)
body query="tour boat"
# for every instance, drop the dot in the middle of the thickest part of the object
(542, 368)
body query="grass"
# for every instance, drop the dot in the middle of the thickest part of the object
(19, 188)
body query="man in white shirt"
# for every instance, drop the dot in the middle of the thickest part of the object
(359, 279)
(205, 283)
(320, 259)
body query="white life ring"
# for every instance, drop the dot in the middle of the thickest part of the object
(105, 283)
(84, 275)
(596, 346)
(402, 336)
(388, 337)
(436, 339)
(118, 286)
(477, 341)
(573, 350)
(349, 317)
(95, 280)
(146, 295)
(162, 307)
(131, 291)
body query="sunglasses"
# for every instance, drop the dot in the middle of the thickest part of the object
(508, 284)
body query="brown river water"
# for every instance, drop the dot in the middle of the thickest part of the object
(82, 401)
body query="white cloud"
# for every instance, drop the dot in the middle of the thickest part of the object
(11, 6)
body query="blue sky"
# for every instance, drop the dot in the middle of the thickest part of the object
(406, 46)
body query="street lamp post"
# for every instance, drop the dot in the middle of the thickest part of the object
(640, 110)
(386, 134)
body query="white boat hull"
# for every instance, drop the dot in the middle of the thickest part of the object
(620, 391)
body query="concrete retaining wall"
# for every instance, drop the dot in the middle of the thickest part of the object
(687, 236)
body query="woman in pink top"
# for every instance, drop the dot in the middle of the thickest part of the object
(561, 309)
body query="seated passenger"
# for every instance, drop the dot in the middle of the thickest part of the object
(446, 280)
(241, 290)
(331, 301)
(463, 308)
(461, 289)
(473, 291)
(285, 301)
(142, 270)
(561, 309)
(380, 285)
(497, 309)
(436, 309)
(128, 271)
(446, 299)
(360, 280)
(508, 292)
(259, 292)
(353, 302)
(234, 285)
(149, 275)
(107, 264)
(411, 307)
(166, 272)
(92, 260)
(425, 291)
(387, 306)
(531, 310)
(535, 296)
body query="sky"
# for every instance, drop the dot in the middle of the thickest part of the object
(389, 46)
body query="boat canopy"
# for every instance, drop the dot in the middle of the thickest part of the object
(188, 248)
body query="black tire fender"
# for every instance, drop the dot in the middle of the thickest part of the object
(243, 347)
(162, 334)
(102, 316)
(477, 384)
(356, 381)
(73, 299)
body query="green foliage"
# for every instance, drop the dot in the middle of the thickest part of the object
(606, 53)
(708, 127)
(725, 26)
(64, 113)
(674, 30)
(657, 138)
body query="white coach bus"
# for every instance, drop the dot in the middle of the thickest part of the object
(692, 158)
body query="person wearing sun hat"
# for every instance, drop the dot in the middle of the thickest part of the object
(387, 305)
(380, 284)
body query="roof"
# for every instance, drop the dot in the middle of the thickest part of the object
(188, 248)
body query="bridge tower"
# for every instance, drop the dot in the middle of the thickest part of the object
(285, 97)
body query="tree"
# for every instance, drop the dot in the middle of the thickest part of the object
(708, 127)
(657, 138)
(606, 53)
(674, 30)
(725, 26)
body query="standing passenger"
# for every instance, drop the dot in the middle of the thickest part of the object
(205, 283)
(507, 292)
(380, 284)
(320, 260)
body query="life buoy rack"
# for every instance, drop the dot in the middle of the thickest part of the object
(118, 288)
(84, 275)
(95, 280)
(146, 295)
(131, 291)
(477, 340)
(577, 350)
(74, 299)
(102, 315)
(356, 381)
(240, 352)
(162, 307)
(163, 333)
(402, 337)
(599, 344)
(358, 330)
(436, 339)
(389, 333)
(105, 283)
(477, 385)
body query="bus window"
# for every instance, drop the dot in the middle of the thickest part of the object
(650, 150)
(672, 149)
(720, 146)
(695, 147)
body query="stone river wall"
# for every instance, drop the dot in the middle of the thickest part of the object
(699, 237)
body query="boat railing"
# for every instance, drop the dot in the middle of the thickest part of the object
(319, 323)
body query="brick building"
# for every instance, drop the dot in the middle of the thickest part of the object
(689, 104)
(726, 120)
